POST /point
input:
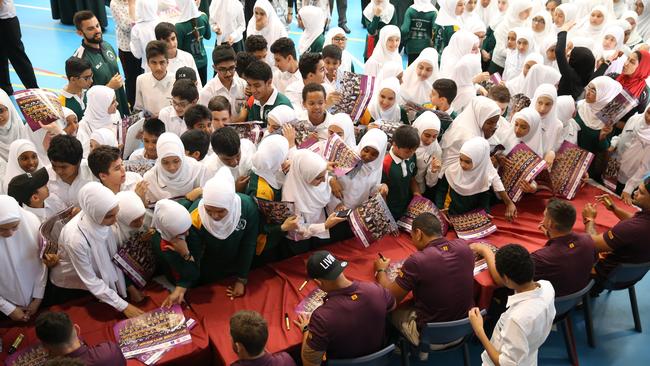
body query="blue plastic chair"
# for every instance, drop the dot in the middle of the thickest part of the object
(379, 358)
(625, 276)
(563, 307)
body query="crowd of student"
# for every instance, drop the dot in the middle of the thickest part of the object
(559, 65)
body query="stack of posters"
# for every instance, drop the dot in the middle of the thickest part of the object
(275, 212)
(136, 259)
(472, 225)
(138, 166)
(610, 175)
(38, 105)
(523, 166)
(345, 158)
(150, 358)
(417, 206)
(356, 91)
(480, 264)
(372, 220)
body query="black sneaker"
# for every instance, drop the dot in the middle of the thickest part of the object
(346, 29)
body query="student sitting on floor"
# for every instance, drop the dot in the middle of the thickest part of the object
(351, 307)
(79, 73)
(153, 89)
(523, 328)
(435, 300)
(399, 169)
(30, 190)
(61, 338)
(151, 130)
(184, 95)
(232, 152)
(249, 333)
(196, 144)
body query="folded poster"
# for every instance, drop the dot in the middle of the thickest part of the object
(136, 259)
(155, 330)
(38, 105)
(618, 107)
(251, 130)
(480, 264)
(356, 91)
(342, 155)
(570, 165)
(127, 122)
(275, 212)
(524, 165)
(34, 355)
(472, 225)
(311, 302)
(138, 166)
(50, 230)
(417, 206)
(372, 220)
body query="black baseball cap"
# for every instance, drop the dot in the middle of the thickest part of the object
(323, 265)
(23, 186)
(186, 73)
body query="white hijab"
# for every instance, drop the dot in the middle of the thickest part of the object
(170, 219)
(188, 10)
(547, 43)
(273, 30)
(283, 114)
(346, 59)
(267, 161)
(489, 14)
(460, 44)
(588, 30)
(104, 136)
(550, 125)
(423, 5)
(635, 38)
(413, 89)
(391, 114)
(225, 14)
(426, 121)
(20, 264)
(537, 75)
(515, 60)
(314, 20)
(516, 84)
(13, 130)
(548, 26)
(569, 10)
(606, 89)
(220, 192)
(533, 139)
(96, 201)
(131, 208)
(479, 178)
(447, 13)
(344, 122)
(381, 55)
(511, 20)
(166, 185)
(96, 115)
(146, 10)
(13, 167)
(643, 22)
(308, 199)
(466, 68)
(386, 14)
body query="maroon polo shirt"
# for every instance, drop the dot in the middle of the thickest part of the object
(441, 277)
(351, 322)
(100, 355)
(566, 262)
(629, 242)
(269, 359)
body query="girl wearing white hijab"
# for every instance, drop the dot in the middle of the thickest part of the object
(384, 105)
(547, 50)
(101, 112)
(23, 158)
(566, 108)
(24, 275)
(516, 16)
(634, 38)
(542, 26)
(226, 223)
(192, 27)
(130, 217)
(143, 30)
(461, 43)
(385, 51)
(313, 20)
(526, 128)
(466, 71)
(594, 24)
(228, 23)
(633, 153)
(515, 60)
(376, 15)
(418, 78)
(87, 244)
(516, 84)
(417, 27)
(342, 125)
(428, 156)
(537, 75)
(338, 37)
(487, 13)
(102, 136)
(266, 23)
(12, 127)
(278, 117)
(643, 22)
(174, 175)
(448, 21)
(564, 13)
(544, 101)
(611, 42)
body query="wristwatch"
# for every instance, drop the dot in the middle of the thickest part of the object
(305, 328)
(587, 219)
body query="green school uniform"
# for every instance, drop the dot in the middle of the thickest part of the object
(588, 138)
(255, 112)
(188, 42)
(70, 101)
(442, 35)
(445, 197)
(270, 234)
(105, 66)
(179, 271)
(317, 45)
(374, 26)
(399, 187)
(417, 29)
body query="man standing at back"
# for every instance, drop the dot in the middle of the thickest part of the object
(12, 49)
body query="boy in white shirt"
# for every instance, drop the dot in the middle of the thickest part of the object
(227, 83)
(153, 89)
(526, 323)
(177, 58)
(231, 151)
(184, 95)
(286, 63)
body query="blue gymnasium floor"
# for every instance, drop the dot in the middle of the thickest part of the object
(49, 43)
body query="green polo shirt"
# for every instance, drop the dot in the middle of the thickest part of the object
(257, 112)
(399, 186)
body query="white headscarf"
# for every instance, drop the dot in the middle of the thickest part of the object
(314, 20)
(344, 122)
(96, 201)
(489, 14)
(515, 60)
(426, 121)
(516, 84)
(643, 21)
(13, 167)
(188, 10)
(388, 70)
(283, 114)
(104, 136)
(635, 38)
(391, 114)
(308, 199)
(273, 30)
(606, 89)
(566, 108)
(20, 264)
(131, 208)
(146, 10)
(381, 55)
(267, 161)
(475, 26)
(537, 75)
(551, 126)
(224, 13)
(534, 138)
(423, 5)
(590, 31)
(460, 44)
(413, 89)
(509, 22)
(548, 42)
(569, 10)
(548, 27)
(386, 14)
(466, 68)
(479, 178)
(346, 58)
(13, 130)
(96, 115)
(220, 192)
(447, 13)
(170, 219)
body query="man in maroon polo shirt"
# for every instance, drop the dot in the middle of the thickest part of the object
(352, 320)
(627, 241)
(61, 339)
(440, 274)
(249, 333)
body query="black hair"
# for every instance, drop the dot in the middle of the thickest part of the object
(54, 329)
(65, 149)
(222, 53)
(446, 88)
(196, 114)
(75, 66)
(196, 140)
(562, 213)
(259, 70)
(153, 126)
(428, 223)
(311, 88)
(332, 51)
(514, 261)
(225, 141)
(100, 159)
(185, 89)
(308, 63)
(249, 329)
(219, 103)
(81, 16)
(284, 47)
(243, 60)
(499, 93)
(164, 30)
(156, 48)
(558, 2)
(406, 137)
(255, 43)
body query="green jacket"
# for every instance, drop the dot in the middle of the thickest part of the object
(417, 30)
(187, 40)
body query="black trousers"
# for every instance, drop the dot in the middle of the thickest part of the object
(364, 3)
(12, 49)
(132, 69)
(342, 9)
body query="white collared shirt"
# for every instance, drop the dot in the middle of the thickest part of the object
(173, 123)
(152, 94)
(64, 195)
(79, 99)
(236, 95)
(212, 162)
(183, 59)
(282, 79)
(523, 328)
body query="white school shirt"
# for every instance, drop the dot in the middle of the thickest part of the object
(236, 95)
(282, 79)
(173, 123)
(212, 162)
(132, 179)
(523, 328)
(152, 94)
(138, 155)
(63, 195)
(183, 59)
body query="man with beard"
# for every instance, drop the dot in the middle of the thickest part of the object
(101, 56)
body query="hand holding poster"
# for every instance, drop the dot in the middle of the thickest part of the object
(420, 205)
(50, 230)
(342, 155)
(305, 134)
(38, 105)
(523, 166)
(372, 220)
(356, 91)
(618, 107)
(275, 212)
(136, 259)
(251, 130)
(480, 264)
(570, 166)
